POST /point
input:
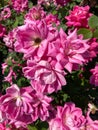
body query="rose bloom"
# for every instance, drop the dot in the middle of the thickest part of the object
(69, 50)
(52, 20)
(41, 105)
(9, 39)
(94, 76)
(19, 5)
(35, 13)
(6, 13)
(68, 117)
(78, 17)
(45, 74)
(61, 2)
(2, 30)
(16, 104)
(32, 39)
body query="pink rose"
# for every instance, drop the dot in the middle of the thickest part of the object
(78, 17)
(32, 39)
(94, 76)
(2, 30)
(19, 5)
(69, 50)
(6, 13)
(68, 117)
(35, 13)
(45, 74)
(16, 104)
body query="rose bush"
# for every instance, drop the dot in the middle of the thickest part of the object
(48, 65)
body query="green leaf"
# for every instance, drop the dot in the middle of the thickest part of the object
(95, 34)
(93, 21)
(15, 23)
(65, 96)
(6, 72)
(42, 126)
(31, 127)
(86, 33)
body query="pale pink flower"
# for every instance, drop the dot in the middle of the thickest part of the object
(6, 13)
(94, 76)
(35, 13)
(20, 5)
(68, 117)
(79, 16)
(2, 30)
(45, 74)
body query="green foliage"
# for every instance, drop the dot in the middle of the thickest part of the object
(95, 33)
(86, 33)
(39, 126)
(31, 127)
(93, 21)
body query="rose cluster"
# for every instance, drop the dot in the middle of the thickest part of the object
(50, 54)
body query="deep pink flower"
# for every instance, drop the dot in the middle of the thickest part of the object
(52, 20)
(61, 2)
(79, 16)
(6, 13)
(68, 117)
(20, 5)
(94, 76)
(45, 74)
(2, 30)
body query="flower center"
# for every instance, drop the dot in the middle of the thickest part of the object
(37, 41)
